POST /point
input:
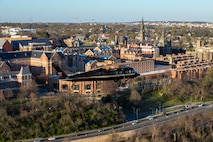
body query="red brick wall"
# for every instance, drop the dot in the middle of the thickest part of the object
(7, 47)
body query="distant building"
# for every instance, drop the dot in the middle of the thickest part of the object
(5, 46)
(16, 37)
(202, 52)
(136, 52)
(88, 88)
(145, 65)
(24, 77)
(18, 31)
(164, 45)
(75, 41)
(39, 62)
(81, 62)
(142, 32)
(11, 81)
(35, 44)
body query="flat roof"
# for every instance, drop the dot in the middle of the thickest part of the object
(155, 72)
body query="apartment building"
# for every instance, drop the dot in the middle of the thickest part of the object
(187, 66)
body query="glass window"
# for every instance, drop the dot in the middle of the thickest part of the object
(75, 87)
(64, 86)
(87, 86)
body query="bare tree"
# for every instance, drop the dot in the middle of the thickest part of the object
(135, 97)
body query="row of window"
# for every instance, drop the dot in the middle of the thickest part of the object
(77, 87)
(12, 84)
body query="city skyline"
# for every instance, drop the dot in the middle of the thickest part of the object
(68, 11)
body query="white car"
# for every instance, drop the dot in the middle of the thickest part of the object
(200, 105)
(51, 138)
(149, 117)
(134, 122)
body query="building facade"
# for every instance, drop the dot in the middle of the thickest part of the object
(5, 46)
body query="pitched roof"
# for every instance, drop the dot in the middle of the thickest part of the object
(36, 54)
(12, 55)
(27, 54)
(104, 57)
(95, 51)
(2, 42)
(60, 48)
(1, 63)
(105, 48)
(24, 70)
(89, 61)
(15, 43)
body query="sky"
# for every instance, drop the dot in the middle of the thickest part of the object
(69, 11)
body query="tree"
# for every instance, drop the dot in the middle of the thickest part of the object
(135, 98)
(207, 84)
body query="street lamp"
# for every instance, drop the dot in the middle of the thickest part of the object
(133, 110)
(137, 112)
(159, 106)
(151, 109)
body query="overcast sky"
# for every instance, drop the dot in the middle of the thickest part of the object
(105, 10)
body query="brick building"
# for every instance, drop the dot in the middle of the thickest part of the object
(5, 46)
(11, 81)
(39, 62)
(145, 65)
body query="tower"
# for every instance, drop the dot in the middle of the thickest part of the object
(162, 39)
(142, 32)
(24, 77)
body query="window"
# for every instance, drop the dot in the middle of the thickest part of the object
(64, 86)
(75, 87)
(87, 86)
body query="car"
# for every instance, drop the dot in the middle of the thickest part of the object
(134, 122)
(37, 141)
(51, 138)
(81, 134)
(149, 117)
(100, 130)
(200, 105)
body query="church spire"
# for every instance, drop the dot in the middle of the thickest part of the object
(163, 37)
(142, 32)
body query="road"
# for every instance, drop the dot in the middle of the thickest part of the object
(141, 124)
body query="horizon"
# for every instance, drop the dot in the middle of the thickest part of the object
(99, 11)
(105, 22)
